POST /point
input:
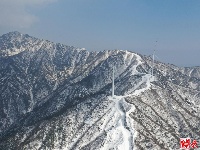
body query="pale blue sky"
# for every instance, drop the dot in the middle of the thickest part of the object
(112, 24)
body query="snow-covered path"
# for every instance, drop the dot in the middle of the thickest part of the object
(123, 126)
(121, 135)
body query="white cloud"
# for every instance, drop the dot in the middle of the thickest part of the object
(14, 13)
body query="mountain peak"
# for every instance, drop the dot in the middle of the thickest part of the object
(13, 34)
(13, 43)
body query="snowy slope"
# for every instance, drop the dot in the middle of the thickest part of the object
(55, 96)
(122, 133)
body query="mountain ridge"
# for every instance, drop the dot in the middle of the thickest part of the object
(56, 97)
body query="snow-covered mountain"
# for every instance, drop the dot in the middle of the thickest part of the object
(54, 96)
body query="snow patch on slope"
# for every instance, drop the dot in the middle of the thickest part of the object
(121, 135)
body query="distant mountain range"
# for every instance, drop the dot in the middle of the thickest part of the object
(54, 96)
